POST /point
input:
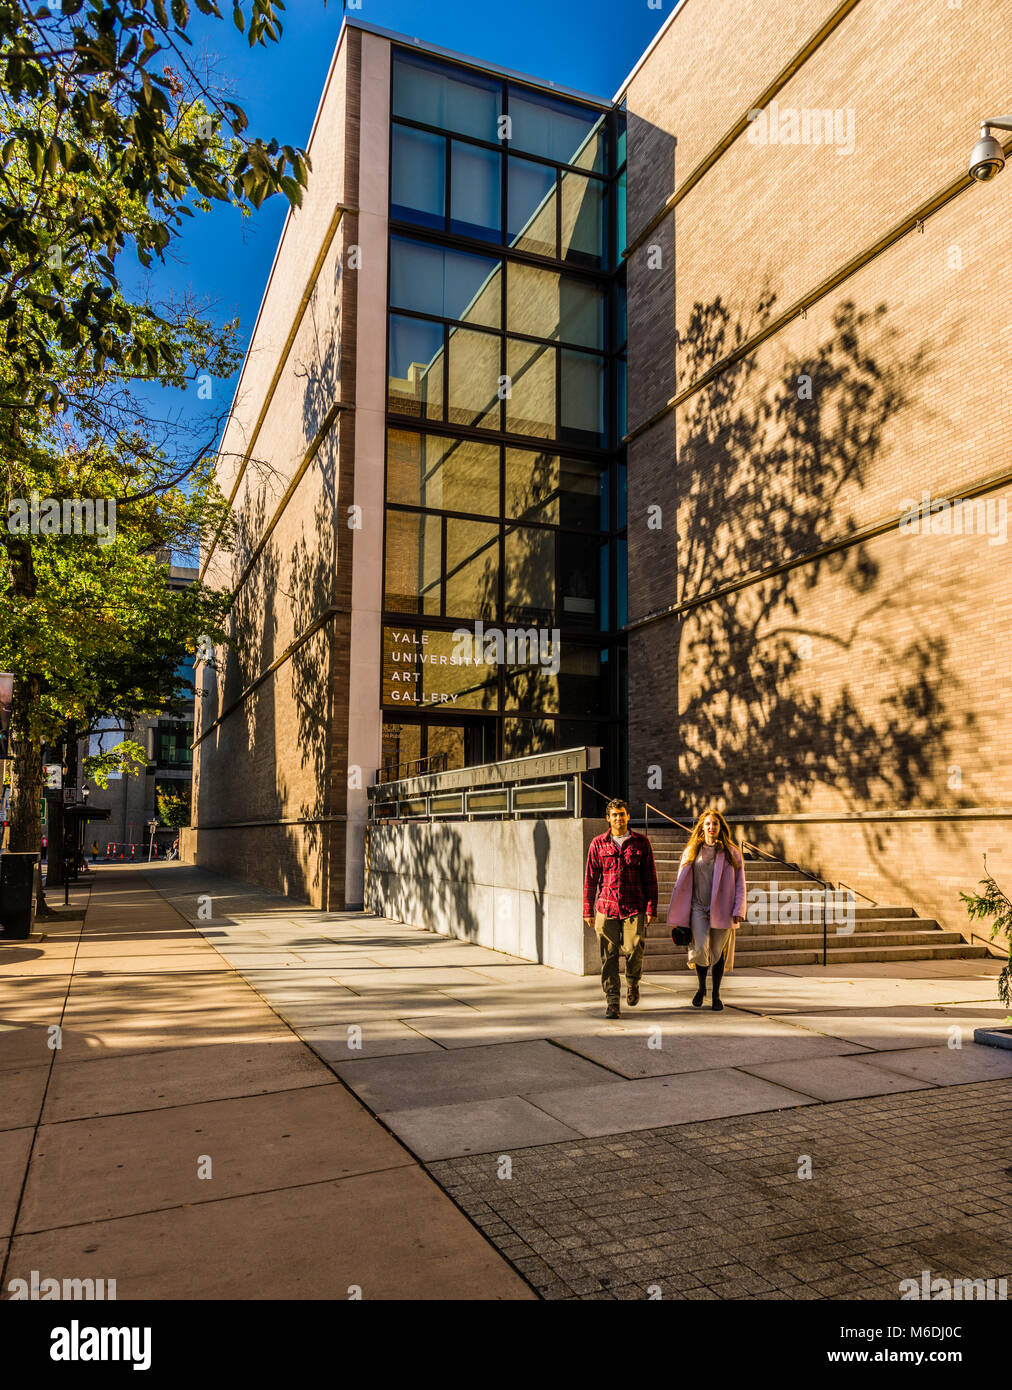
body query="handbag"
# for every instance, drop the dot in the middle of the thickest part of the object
(681, 936)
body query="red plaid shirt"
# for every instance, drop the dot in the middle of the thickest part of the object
(621, 880)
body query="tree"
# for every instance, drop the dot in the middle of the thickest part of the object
(174, 808)
(994, 904)
(100, 154)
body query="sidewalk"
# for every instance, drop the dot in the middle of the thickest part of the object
(183, 1141)
(504, 1079)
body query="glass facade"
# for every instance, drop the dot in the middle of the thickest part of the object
(505, 512)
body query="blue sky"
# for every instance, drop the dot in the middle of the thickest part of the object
(223, 259)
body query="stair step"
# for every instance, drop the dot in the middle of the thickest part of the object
(660, 932)
(808, 941)
(674, 959)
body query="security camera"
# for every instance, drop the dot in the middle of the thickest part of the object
(988, 158)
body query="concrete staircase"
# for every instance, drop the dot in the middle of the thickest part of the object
(879, 933)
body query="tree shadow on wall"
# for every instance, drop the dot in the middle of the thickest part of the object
(774, 701)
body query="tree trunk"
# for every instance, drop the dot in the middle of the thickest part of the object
(26, 780)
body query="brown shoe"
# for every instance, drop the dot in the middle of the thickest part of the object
(612, 1010)
(632, 994)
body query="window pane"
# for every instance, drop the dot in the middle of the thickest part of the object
(446, 748)
(548, 305)
(532, 206)
(556, 129)
(530, 576)
(418, 177)
(530, 409)
(475, 192)
(444, 96)
(402, 749)
(414, 563)
(525, 737)
(447, 677)
(532, 486)
(450, 284)
(580, 565)
(475, 367)
(472, 569)
(620, 215)
(620, 156)
(415, 384)
(583, 687)
(583, 205)
(582, 404)
(454, 475)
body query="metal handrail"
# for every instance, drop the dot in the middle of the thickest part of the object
(651, 807)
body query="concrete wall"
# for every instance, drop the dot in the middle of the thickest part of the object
(876, 679)
(516, 886)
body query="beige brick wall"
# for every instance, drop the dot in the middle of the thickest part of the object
(877, 679)
(278, 755)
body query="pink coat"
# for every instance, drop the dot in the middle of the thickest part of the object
(727, 899)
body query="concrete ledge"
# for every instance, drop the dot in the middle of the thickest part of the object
(515, 886)
(993, 1037)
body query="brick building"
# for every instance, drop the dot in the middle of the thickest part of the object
(725, 543)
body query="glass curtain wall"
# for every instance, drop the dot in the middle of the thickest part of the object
(504, 583)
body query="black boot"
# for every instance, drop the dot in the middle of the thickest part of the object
(718, 975)
(700, 994)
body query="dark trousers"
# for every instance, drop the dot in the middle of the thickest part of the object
(615, 936)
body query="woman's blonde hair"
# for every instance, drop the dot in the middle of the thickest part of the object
(724, 839)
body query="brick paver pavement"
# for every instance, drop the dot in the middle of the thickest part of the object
(899, 1184)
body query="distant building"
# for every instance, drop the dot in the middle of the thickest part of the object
(132, 801)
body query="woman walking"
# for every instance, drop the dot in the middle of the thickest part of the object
(709, 898)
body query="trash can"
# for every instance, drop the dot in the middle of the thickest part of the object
(17, 895)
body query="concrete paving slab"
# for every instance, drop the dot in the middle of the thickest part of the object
(899, 1026)
(405, 980)
(945, 1066)
(88, 1170)
(835, 1078)
(382, 1038)
(182, 1076)
(444, 1078)
(207, 962)
(661, 1051)
(15, 1145)
(23, 1046)
(485, 1028)
(313, 1242)
(624, 1106)
(21, 1093)
(488, 1126)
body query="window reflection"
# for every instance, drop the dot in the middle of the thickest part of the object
(530, 575)
(418, 177)
(415, 385)
(431, 470)
(448, 97)
(475, 192)
(583, 225)
(472, 569)
(414, 563)
(475, 368)
(445, 282)
(532, 207)
(556, 129)
(530, 408)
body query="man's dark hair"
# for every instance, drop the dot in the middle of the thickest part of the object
(616, 804)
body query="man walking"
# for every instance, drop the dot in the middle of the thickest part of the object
(620, 901)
